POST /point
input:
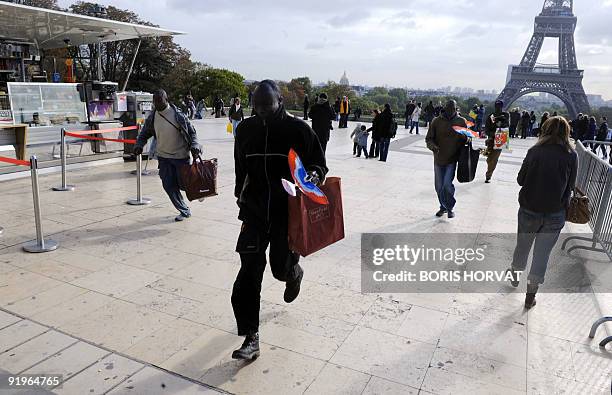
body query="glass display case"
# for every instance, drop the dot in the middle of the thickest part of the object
(46, 104)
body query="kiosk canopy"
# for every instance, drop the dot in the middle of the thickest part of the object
(56, 29)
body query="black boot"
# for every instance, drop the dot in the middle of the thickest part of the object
(292, 288)
(515, 277)
(441, 213)
(530, 300)
(249, 349)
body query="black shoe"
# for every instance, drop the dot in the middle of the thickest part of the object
(181, 217)
(451, 214)
(249, 349)
(292, 288)
(515, 277)
(530, 300)
(488, 181)
(441, 213)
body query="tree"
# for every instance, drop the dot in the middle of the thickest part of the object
(210, 82)
(296, 90)
(48, 4)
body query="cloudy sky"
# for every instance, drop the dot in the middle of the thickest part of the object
(405, 43)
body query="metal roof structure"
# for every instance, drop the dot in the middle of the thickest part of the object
(50, 29)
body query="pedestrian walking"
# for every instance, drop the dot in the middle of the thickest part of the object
(387, 127)
(591, 133)
(547, 178)
(480, 118)
(498, 120)
(525, 120)
(322, 115)
(345, 110)
(532, 121)
(429, 113)
(236, 115)
(408, 114)
(602, 135)
(201, 109)
(306, 107)
(337, 109)
(261, 161)
(375, 145)
(415, 118)
(176, 138)
(515, 118)
(446, 143)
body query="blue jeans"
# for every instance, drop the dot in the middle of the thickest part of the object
(445, 175)
(384, 149)
(170, 176)
(234, 126)
(414, 124)
(544, 229)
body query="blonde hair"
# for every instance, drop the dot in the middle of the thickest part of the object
(556, 130)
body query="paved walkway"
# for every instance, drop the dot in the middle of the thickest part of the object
(154, 293)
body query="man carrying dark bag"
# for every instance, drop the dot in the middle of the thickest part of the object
(261, 152)
(176, 138)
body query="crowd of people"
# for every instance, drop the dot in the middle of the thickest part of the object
(263, 140)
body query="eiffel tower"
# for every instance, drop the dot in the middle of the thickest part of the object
(564, 80)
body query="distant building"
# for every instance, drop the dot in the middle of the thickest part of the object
(344, 80)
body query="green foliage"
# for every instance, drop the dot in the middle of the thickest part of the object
(210, 82)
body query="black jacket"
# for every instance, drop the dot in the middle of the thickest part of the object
(261, 161)
(322, 115)
(548, 176)
(384, 124)
(515, 118)
(236, 115)
(602, 134)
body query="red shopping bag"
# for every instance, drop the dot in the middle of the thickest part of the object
(314, 226)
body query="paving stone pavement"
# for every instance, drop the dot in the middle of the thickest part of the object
(131, 287)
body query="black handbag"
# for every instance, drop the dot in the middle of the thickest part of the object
(468, 163)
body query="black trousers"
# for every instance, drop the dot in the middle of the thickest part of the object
(252, 245)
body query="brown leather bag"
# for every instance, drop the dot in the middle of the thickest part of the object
(314, 226)
(578, 211)
(199, 180)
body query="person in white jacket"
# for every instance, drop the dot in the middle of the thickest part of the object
(416, 115)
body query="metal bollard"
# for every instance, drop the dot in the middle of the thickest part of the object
(139, 201)
(63, 187)
(40, 245)
(145, 172)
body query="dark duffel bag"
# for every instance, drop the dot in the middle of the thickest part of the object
(199, 180)
(468, 163)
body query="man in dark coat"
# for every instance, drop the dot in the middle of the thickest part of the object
(525, 120)
(322, 115)
(306, 107)
(446, 143)
(386, 129)
(261, 151)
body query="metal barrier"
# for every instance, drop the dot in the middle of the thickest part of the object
(139, 201)
(86, 134)
(596, 325)
(64, 187)
(595, 180)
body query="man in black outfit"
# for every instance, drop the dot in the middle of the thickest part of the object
(306, 107)
(322, 115)
(261, 153)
